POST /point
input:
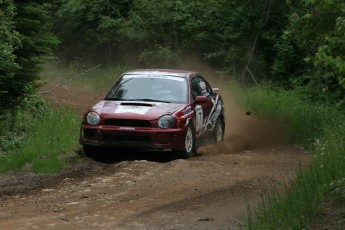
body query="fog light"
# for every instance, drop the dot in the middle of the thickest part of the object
(164, 138)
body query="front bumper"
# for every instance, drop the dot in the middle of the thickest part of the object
(133, 137)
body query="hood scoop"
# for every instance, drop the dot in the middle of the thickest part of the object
(136, 104)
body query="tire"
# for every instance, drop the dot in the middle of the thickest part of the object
(218, 132)
(90, 150)
(189, 145)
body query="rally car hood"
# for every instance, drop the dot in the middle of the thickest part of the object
(135, 109)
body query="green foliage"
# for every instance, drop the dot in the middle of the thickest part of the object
(8, 67)
(16, 122)
(90, 30)
(52, 135)
(8, 41)
(338, 189)
(32, 24)
(321, 130)
(35, 137)
(295, 44)
(310, 54)
(268, 36)
(159, 57)
(302, 119)
(221, 32)
(156, 33)
(24, 41)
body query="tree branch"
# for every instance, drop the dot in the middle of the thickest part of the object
(67, 81)
(250, 72)
(265, 17)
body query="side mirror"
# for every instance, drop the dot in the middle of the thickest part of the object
(200, 100)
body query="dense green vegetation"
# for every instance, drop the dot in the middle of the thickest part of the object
(321, 130)
(295, 46)
(26, 41)
(46, 148)
(37, 137)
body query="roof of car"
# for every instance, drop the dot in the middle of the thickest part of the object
(171, 72)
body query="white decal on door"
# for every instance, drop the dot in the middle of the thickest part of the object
(210, 120)
(199, 118)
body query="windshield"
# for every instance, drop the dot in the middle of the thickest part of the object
(160, 88)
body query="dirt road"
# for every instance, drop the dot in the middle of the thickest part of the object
(154, 190)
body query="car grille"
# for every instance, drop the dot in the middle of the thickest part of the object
(130, 137)
(127, 122)
(90, 134)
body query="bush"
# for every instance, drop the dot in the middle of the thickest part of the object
(42, 136)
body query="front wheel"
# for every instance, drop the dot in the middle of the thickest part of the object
(189, 145)
(90, 150)
(218, 133)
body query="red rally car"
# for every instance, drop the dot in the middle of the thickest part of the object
(155, 109)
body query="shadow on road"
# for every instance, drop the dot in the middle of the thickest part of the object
(114, 155)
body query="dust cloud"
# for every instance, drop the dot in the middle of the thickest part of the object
(243, 130)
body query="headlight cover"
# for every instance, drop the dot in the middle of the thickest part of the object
(166, 121)
(93, 118)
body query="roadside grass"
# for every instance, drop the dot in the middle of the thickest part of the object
(16, 122)
(320, 129)
(45, 147)
(35, 137)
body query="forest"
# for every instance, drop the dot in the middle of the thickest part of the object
(290, 44)
(292, 49)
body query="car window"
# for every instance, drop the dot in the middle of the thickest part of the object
(200, 87)
(149, 88)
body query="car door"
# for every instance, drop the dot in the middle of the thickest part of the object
(204, 119)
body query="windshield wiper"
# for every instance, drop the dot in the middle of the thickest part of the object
(150, 99)
(138, 99)
(113, 99)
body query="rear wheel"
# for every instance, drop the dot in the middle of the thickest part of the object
(218, 133)
(189, 144)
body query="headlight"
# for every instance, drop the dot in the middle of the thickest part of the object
(93, 118)
(166, 121)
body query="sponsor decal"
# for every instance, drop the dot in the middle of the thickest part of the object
(126, 128)
(199, 118)
(155, 76)
(187, 110)
(132, 109)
